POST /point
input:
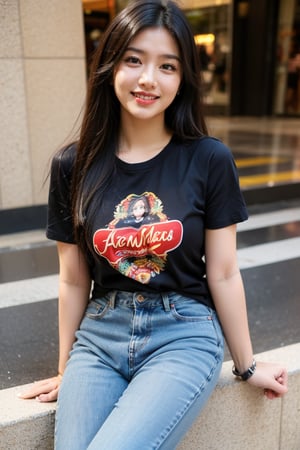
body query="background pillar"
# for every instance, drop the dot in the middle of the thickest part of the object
(42, 89)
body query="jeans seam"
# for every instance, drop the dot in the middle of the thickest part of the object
(98, 315)
(177, 316)
(179, 416)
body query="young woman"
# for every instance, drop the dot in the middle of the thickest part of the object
(142, 310)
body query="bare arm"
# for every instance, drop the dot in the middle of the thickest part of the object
(225, 283)
(74, 289)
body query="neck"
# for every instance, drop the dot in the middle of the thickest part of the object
(141, 140)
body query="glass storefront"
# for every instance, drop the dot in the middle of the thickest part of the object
(212, 31)
(287, 82)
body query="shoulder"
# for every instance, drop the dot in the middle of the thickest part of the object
(211, 147)
(205, 149)
(63, 160)
(205, 144)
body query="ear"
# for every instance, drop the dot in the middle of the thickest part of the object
(179, 89)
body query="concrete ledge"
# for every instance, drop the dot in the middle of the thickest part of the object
(236, 416)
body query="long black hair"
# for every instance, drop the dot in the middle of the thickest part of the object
(97, 146)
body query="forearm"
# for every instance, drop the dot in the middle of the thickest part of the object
(229, 299)
(72, 303)
(226, 286)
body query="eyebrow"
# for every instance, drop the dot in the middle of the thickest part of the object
(166, 55)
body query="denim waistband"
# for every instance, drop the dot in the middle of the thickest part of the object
(143, 298)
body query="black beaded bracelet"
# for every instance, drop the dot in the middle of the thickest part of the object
(245, 375)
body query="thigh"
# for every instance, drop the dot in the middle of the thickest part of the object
(87, 395)
(168, 391)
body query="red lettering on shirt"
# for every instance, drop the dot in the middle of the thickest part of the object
(152, 239)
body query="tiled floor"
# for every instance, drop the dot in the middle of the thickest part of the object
(268, 250)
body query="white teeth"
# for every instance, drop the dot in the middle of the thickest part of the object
(145, 97)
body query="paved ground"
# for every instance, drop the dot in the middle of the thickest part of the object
(268, 248)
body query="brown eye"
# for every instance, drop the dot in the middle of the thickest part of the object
(132, 60)
(169, 67)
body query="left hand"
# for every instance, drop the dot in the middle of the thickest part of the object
(271, 377)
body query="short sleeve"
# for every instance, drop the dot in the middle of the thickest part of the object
(225, 204)
(60, 223)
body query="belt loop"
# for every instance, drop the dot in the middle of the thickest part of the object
(112, 299)
(165, 299)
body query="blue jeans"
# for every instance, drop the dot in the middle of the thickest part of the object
(141, 369)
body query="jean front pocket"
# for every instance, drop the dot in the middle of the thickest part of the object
(97, 309)
(191, 310)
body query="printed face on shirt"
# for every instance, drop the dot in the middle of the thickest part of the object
(148, 77)
(139, 210)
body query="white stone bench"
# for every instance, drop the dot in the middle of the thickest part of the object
(236, 417)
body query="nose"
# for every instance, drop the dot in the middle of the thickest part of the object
(147, 78)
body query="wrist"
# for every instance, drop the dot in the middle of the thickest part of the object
(247, 373)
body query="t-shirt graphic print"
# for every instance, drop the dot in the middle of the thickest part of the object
(136, 242)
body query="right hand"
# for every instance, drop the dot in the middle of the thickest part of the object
(273, 378)
(43, 390)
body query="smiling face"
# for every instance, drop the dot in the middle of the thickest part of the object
(148, 77)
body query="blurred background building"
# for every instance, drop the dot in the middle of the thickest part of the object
(249, 53)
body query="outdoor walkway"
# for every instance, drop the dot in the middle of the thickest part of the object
(267, 153)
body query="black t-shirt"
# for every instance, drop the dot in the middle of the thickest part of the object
(149, 233)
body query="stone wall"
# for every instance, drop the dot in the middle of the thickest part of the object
(42, 89)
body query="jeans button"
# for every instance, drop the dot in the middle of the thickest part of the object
(140, 298)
